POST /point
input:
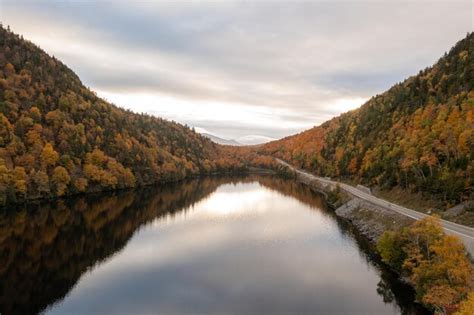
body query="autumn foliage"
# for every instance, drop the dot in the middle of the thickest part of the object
(467, 306)
(435, 263)
(58, 138)
(419, 135)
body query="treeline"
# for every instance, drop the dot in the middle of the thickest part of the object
(419, 135)
(435, 264)
(58, 138)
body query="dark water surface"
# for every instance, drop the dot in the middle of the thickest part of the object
(252, 245)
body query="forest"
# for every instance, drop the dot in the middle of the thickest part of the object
(433, 262)
(58, 138)
(418, 135)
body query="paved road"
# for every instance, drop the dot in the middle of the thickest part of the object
(464, 232)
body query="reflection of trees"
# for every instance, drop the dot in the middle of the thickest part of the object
(46, 248)
(384, 290)
(293, 189)
(390, 288)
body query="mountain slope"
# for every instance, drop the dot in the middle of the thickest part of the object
(219, 140)
(418, 135)
(57, 137)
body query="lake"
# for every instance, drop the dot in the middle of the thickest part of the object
(246, 245)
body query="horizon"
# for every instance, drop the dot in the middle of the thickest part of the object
(138, 56)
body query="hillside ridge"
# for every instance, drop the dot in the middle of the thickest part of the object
(417, 135)
(58, 138)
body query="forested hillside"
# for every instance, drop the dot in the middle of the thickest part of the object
(418, 135)
(58, 138)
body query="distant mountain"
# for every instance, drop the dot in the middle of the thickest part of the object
(254, 139)
(241, 141)
(222, 141)
(418, 135)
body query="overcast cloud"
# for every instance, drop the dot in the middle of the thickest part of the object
(241, 68)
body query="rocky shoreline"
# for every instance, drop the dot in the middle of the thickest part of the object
(370, 220)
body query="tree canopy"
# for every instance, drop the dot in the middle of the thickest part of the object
(418, 135)
(58, 138)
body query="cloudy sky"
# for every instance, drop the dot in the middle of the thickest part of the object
(242, 69)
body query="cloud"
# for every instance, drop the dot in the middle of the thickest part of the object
(292, 61)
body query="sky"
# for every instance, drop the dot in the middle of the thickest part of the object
(246, 70)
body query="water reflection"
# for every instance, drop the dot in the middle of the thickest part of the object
(218, 245)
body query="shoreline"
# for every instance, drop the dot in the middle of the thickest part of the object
(369, 219)
(36, 201)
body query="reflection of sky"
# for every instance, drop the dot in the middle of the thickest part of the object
(243, 250)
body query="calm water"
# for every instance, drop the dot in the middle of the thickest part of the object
(254, 245)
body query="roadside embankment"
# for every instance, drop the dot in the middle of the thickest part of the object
(372, 221)
(328, 185)
(412, 240)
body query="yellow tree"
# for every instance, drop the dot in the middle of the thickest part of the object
(124, 175)
(466, 141)
(467, 306)
(19, 180)
(61, 179)
(33, 138)
(440, 297)
(422, 235)
(435, 263)
(96, 157)
(9, 69)
(35, 113)
(5, 180)
(80, 184)
(49, 157)
(6, 130)
(430, 159)
(447, 277)
(41, 179)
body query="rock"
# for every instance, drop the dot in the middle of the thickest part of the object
(458, 209)
(365, 189)
(372, 221)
